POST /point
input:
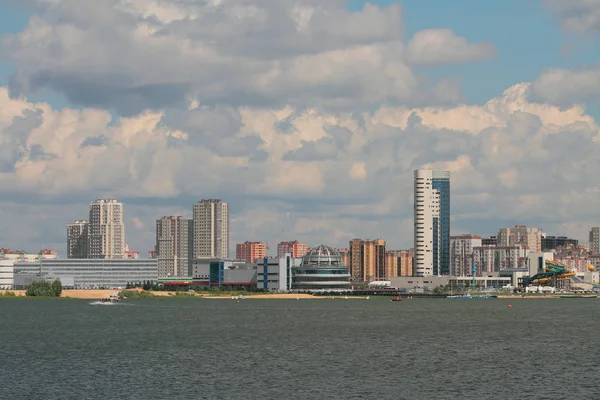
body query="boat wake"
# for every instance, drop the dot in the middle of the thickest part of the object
(103, 303)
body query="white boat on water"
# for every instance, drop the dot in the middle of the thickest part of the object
(113, 298)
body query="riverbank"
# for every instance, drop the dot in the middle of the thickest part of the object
(103, 294)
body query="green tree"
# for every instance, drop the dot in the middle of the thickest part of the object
(40, 289)
(57, 287)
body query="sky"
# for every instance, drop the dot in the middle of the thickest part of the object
(307, 116)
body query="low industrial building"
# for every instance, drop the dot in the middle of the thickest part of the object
(223, 272)
(7, 274)
(86, 273)
(274, 273)
(428, 283)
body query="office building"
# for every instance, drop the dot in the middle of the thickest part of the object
(211, 229)
(250, 251)
(173, 246)
(321, 268)
(275, 273)
(77, 239)
(223, 272)
(367, 260)
(431, 222)
(556, 242)
(295, 248)
(461, 254)
(595, 240)
(106, 231)
(521, 235)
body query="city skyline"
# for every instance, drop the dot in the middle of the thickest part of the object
(309, 121)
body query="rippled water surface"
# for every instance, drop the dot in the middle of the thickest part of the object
(300, 349)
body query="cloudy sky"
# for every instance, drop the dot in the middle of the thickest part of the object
(307, 116)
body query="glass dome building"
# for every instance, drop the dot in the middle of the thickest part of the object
(322, 267)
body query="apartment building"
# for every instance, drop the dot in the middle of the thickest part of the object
(250, 251)
(295, 248)
(77, 239)
(211, 229)
(174, 236)
(461, 253)
(106, 231)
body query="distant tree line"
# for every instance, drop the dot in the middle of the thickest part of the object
(44, 289)
(145, 285)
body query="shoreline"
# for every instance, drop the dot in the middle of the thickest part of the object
(98, 294)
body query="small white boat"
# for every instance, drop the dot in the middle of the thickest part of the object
(113, 298)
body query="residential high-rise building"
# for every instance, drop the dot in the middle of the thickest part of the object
(405, 263)
(521, 235)
(174, 246)
(431, 222)
(77, 239)
(461, 254)
(490, 259)
(250, 251)
(211, 229)
(295, 248)
(367, 260)
(345, 253)
(489, 241)
(595, 240)
(106, 231)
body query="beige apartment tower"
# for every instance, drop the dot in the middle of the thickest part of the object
(173, 246)
(521, 235)
(211, 229)
(106, 231)
(367, 260)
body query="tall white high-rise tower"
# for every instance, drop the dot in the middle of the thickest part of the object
(431, 223)
(211, 229)
(106, 231)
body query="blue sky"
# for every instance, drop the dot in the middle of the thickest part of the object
(527, 38)
(169, 160)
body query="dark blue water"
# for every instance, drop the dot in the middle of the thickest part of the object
(299, 349)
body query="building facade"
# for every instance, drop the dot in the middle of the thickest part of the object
(7, 274)
(295, 248)
(77, 239)
(521, 235)
(223, 272)
(431, 222)
(441, 183)
(367, 260)
(250, 251)
(275, 273)
(211, 229)
(490, 259)
(461, 254)
(87, 273)
(594, 239)
(321, 268)
(174, 236)
(106, 231)
(556, 242)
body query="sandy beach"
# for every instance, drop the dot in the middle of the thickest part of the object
(102, 294)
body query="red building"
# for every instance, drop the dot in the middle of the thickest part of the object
(295, 248)
(250, 251)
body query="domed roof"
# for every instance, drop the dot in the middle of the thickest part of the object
(322, 255)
